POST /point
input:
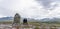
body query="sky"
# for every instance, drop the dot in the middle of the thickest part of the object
(30, 8)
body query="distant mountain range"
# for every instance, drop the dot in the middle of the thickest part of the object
(51, 20)
(33, 20)
(6, 18)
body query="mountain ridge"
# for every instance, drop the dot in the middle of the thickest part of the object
(33, 20)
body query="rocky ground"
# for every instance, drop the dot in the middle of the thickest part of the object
(9, 26)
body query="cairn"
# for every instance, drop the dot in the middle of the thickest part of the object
(16, 22)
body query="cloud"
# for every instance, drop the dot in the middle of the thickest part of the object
(30, 8)
(48, 4)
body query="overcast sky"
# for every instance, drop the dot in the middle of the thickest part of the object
(30, 8)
